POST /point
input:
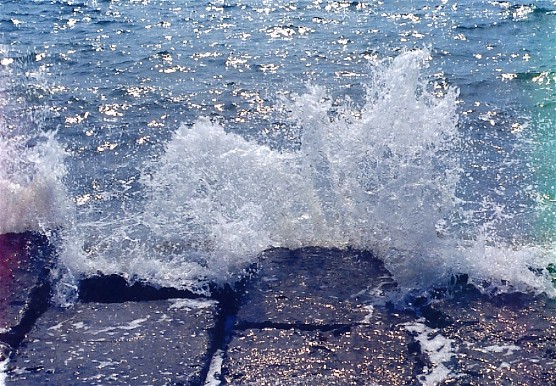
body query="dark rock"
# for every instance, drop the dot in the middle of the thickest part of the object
(306, 317)
(312, 287)
(158, 342)
(360, 355)
(502, 340)
(322, 317)
(116, 289)
(319, 317)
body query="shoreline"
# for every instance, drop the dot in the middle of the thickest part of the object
(299, 319)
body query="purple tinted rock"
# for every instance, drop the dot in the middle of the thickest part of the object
(24, 262)
(321, 317)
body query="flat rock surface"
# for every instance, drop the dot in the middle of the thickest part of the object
(158, 342)
(307, 318)
(358, 355)
(505, 340)
(313, 317)
(312, 286)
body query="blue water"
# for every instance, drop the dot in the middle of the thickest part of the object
(173, 142)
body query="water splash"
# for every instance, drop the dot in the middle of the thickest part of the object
(381, 177)
(33, 196)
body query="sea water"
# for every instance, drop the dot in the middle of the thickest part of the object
(173, 142)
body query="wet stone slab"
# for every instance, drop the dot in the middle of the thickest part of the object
(319, 317)
(358, 355)
(133, 343)
(314, 317)
(306, 317)
(505, 340)
(313, 286)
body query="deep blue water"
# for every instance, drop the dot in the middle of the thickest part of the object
(420, 130)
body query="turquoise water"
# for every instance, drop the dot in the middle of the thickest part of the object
(174, 141)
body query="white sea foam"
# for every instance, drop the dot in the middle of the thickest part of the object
(215, 369)
(132, 325)
(32, 194)
(383, 177)
(438, 348)
(191, 304)
(4, 361)
(506, 349)
(3, 367)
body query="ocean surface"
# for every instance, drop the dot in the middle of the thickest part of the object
(172, 142)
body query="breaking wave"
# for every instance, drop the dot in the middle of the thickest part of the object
(32, 193)
(382, 176)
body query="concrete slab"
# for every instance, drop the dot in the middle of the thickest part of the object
(321, 317)
(133, 343)
(307, 317)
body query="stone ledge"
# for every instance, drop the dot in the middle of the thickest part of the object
(156, 342)
(305, 317)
